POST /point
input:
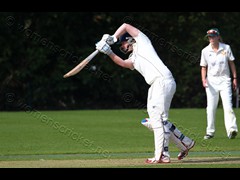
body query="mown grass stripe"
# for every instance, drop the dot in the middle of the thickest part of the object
(99, 156)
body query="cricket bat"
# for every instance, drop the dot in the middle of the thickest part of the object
(81, 65)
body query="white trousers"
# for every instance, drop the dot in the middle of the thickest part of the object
(220, 86)
(160, 96)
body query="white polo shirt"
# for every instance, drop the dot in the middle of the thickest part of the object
(146, 61)
(217, 63)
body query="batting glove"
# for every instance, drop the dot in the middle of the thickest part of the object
(109, 39)
(103, 47)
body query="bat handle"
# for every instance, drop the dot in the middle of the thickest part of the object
(93, 54)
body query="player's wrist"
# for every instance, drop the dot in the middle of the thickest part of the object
(109, 52)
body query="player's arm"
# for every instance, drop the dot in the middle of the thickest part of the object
(204, 76)
(126, 28)
(119, 61)
(111, 39)
(105, 48)
(204, 66)
(234, 74)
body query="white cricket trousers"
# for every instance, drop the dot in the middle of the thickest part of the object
(220, 86)
(160, 96)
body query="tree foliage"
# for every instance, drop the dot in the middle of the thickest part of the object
(38, 48)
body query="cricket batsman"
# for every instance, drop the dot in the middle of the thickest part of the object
(145, 60)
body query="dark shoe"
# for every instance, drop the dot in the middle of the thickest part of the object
(207, 136)
(232, 135)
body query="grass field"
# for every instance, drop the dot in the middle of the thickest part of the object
(107, 138)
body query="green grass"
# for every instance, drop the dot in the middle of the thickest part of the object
(101, 134)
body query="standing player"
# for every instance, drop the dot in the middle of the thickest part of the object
(216, 61)
(162, 88)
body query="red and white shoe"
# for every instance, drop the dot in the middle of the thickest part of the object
(163, 159)
(152, 161)
(184, 154)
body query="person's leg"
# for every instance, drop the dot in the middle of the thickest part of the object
(183, 142)
(177, 133)
(158, 132)
(155, 123)
(229, 115)
(169, 91)
(159, 99)
(212, 103)
(167, 135)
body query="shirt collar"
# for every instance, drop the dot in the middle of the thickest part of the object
(219, 49)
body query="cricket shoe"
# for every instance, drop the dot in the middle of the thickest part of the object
(208, 136)
(184, 154)
(163, 159)
(232, 135)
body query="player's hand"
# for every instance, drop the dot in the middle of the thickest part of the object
(204, 83)
(103, 47)
(235, 84)
(109, 39)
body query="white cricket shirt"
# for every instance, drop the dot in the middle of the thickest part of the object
(146, 61)
(217, 63)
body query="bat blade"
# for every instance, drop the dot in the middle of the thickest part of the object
(81, 65)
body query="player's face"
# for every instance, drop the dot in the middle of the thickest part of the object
(126, 47)
(213, 39)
